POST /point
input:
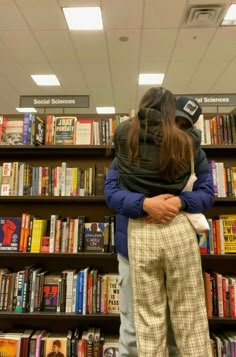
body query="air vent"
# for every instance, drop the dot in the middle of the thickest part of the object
(203, 15)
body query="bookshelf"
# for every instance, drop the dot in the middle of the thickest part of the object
(94, 208)
(221, 263)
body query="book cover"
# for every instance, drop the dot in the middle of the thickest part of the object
(50, 292)
(113, 293)
(44, 245)
(13, 133)
(94, 237)
(55, 345)
(10, 228)
(110, 347)
(9, 346)
(84, 132)
(229, 231)
(38, 131)
(6, 179)
(64, 130)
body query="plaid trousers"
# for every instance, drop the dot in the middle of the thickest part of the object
(166, 264)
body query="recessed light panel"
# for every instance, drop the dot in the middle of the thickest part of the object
(230, 17)
(151, 78)
(26, 110)
(105, 110)
(83, 18)
(45, 79)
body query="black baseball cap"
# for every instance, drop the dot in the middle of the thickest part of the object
(188, 107)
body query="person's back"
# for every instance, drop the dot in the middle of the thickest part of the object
(153, 151)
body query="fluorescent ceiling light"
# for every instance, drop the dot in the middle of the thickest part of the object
(83, 18)
(151, 78)
(26, 110)
(45, 79)
(105, 110)
(230, 17)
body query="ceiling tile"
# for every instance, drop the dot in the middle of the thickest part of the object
(224, 82)
(163, 14)
(10, 17)
(157, 44)
(122, 14)
(192, 43)
(23, 46)
(90, 47)
(71, 78)
(57, 46)
(222, 46)
(205, 76)
(43, 14)
(123, 52)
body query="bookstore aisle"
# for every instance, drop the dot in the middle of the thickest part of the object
(59, 289)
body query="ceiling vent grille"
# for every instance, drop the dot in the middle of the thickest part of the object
(204, 15)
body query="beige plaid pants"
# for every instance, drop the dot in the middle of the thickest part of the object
(166, 264)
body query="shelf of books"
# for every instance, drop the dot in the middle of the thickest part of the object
(59, 287)
(58, 267)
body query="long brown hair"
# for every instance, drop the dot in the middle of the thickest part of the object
(176, 143)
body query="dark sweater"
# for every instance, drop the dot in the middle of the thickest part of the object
(144, 177)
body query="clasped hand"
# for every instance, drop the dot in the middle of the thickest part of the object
(162, 208)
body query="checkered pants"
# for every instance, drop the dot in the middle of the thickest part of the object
(165, 264)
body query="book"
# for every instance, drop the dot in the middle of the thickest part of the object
(64, 130)
(13, 132)
(113, 293)
(50, 292)
(55, 345)
(9, 345)
(110, 347)
(10, 229)
(229, 231)
(84, 132)
(6, 179)
(38, 131)
(94, 237)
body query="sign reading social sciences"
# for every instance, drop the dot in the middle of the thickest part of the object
(213, 100)
(67, 101)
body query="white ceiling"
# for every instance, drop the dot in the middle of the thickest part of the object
(35, 39)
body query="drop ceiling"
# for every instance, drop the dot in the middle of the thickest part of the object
(35, 39)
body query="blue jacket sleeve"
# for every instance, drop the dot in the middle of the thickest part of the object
(122, 201)
(202, 197)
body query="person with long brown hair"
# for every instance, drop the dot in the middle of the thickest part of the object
(153, 154)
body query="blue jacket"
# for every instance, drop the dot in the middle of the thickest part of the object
(130, 204)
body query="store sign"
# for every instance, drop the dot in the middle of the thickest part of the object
(213, 100)
(68, 101)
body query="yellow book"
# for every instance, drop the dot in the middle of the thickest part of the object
(38, 231)
(229, 230)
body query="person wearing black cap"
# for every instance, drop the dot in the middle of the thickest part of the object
(153, 155)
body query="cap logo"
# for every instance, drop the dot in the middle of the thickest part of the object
(190, 107)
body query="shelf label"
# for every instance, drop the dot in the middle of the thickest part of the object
(55, 101)
(213, 100)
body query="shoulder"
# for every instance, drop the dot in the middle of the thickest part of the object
(123, 127)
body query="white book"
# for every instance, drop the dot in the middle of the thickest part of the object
(53, 220)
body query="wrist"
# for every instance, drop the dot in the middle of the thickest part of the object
(146, 204)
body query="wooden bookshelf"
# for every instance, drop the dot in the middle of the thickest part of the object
(93, 207)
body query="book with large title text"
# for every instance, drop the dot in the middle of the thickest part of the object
(64, 130)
